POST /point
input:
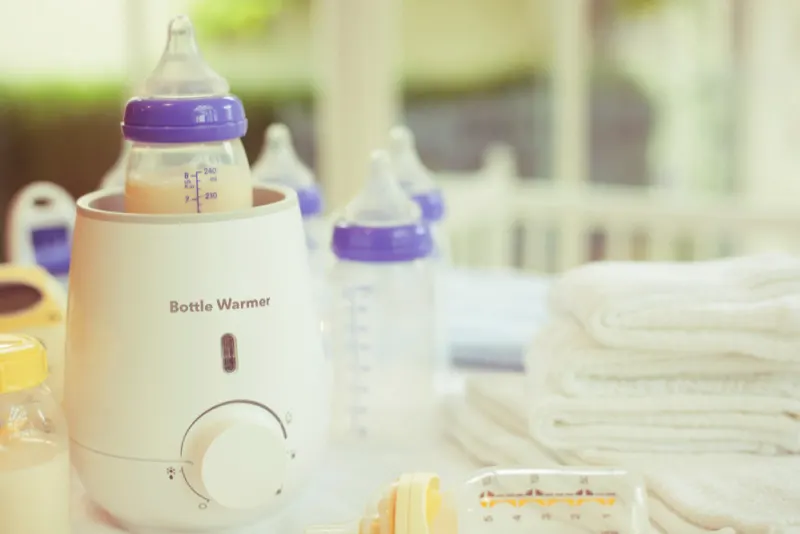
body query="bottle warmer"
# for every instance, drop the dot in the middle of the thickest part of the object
(196, 386)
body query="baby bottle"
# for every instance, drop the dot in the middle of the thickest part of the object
(416, 180)
(34, 454)
(279, 164)
(381, 315)
(186, 154)
(508, 501)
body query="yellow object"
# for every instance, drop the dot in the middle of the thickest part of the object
(417, 504)
(47, 311)
(23, 363)
(413, 504)
(433, 502)
(34, 303)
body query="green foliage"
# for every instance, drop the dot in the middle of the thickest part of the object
(221, 19)
(635, 7)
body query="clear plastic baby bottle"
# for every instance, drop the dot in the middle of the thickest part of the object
(186, 156)
(509, 501)
(380, 319)
(416, 180)
(279, 164)
(34, 453)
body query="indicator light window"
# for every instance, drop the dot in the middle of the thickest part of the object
(230, 357)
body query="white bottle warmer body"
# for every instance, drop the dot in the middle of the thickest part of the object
(196, 384)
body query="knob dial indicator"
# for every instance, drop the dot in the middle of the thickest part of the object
(236, 454)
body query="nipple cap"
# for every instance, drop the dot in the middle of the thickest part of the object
(382, 202)
(279, 139)
(381, 224)
(412, 174)
(182, 72)
(279, 164)
(23, 362)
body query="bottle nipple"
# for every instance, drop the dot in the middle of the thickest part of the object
(182, 72)
(401, 140)
(411, 173)
(382, 202)
(280, 162)
(279, 139)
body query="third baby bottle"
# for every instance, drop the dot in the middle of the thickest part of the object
(381, 316)
(279, 164)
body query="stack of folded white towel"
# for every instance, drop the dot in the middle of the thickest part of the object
(671, 357)
(690, 372)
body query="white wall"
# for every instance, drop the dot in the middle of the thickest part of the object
(52, 39)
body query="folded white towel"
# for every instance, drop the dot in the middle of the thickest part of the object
(564, 356)
(689, 493)
(583, 396)
(748, 305)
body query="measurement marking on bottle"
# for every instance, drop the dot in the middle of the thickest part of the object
(192, 180)
(197, 189)
(362, 352)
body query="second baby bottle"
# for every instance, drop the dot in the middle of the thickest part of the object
(279, 164)
(417, 182)
(186, 154)
(380, 320)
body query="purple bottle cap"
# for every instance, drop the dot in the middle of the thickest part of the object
(382, 224)
(310, 200)
(190, 120)
(431, 203)
(412, 175)
(376, 245)
(184, 100)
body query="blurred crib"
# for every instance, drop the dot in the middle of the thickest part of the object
(547, 225)
(499, 219)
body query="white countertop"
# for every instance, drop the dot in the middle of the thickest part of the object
(348, 480)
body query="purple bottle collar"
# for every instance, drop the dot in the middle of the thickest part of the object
(382, 245)
(184, 120)
(431, 204)
(310, 200)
